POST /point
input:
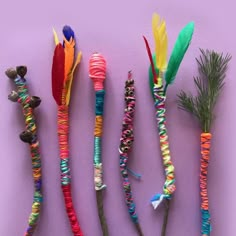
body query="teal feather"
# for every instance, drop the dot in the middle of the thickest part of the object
(178, 52)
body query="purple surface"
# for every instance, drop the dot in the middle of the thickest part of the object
(114, 28)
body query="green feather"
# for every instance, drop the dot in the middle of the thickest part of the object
(151, 79)
(178, 52)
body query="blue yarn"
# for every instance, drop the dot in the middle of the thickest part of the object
(99, 102)
(158, 196)
(136, 175)
(68, 32)
(38, 197)
(97, 150)
(206, 222)
(133, 216)
(65, 170)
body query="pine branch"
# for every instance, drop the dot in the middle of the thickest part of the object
(186, 102)
(212, 68)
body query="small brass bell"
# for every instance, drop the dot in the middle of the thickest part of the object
(26, 136)
(34, 101)
(13, 96)
(21, 71)
(11, 73)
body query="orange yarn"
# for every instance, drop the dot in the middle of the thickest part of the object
(98, 126)
(205, 152)
(63, 130)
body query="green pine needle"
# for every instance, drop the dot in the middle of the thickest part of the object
(212, 68)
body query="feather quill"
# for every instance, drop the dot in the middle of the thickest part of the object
(161, 41)
(179, 50)
(58, 67)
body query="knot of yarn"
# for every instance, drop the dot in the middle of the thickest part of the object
(158, 198)
(97, 70)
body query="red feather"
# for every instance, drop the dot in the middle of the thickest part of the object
(58, 67)
(151, 60)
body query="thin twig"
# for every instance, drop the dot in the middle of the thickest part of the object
(101, 213)
(166, 217)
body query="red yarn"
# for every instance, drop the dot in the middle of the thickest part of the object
(71, 211)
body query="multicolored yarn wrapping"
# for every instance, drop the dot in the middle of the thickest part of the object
(62, 75)
(205, 152)
(97, 72)
(29, 136)
(160, 70)
(169, 186)
(126, 142)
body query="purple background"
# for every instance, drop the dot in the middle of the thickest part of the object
(115, 29)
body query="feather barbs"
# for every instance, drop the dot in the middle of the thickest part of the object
(64, 66)
(159, 63)
(161, 41)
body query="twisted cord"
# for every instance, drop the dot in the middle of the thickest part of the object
(24, 100)
(169, 185)
(205, 152)
(63, 133)
(126, 142)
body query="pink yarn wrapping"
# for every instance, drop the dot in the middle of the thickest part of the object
(97, 70)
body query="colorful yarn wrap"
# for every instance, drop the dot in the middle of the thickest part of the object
(159, 71)
(63, 69)
(169, 185)
(126, 142)
(205, 156)
(97, 72)
(29, 136)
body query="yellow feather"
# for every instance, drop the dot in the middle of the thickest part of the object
(56, 40)
(69, 56)
(71, 75)
(161, 41)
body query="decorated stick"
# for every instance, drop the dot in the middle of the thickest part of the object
(29, 103)
(126, 142)
(97, 72)
(159, 71)
(212, 68)
(63, 69)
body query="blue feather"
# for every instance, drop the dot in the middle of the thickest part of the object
(68, 32)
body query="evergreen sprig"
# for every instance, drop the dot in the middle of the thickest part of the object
(212, 67)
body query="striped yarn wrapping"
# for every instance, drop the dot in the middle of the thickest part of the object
(24, 100)
(97, 72)
(63, 133)
(205, 152)
(169, 185)
(126, 142)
